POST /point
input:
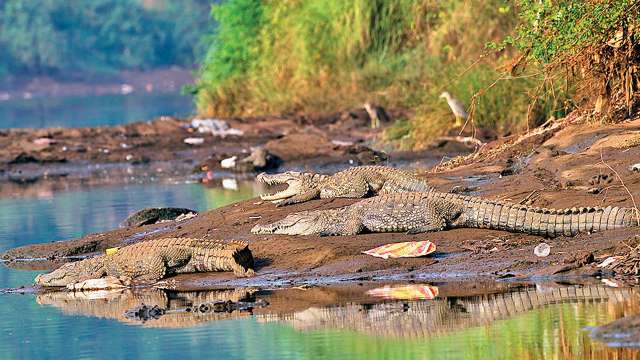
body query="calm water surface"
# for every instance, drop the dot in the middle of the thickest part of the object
(367, 323)
(92, 110)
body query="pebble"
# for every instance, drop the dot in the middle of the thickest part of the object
(542, 250)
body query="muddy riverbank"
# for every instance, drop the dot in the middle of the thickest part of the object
(571, 164)
(171, 148)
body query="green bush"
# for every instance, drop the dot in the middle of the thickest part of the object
(323, 55)
(52, 36)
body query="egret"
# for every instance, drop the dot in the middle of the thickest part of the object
(456, 107)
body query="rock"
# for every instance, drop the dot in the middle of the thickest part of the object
(259, 160)
(154, 215)
(24, 158)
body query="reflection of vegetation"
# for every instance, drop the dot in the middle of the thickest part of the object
(553, 332)
(39, 37)
(76, 213)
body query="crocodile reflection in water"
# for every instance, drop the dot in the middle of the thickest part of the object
(180, 309)
(422, 319)
(311, 309)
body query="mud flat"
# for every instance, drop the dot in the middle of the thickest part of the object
(157, 149)
(573, 164)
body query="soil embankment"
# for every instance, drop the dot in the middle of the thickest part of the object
(571, 165)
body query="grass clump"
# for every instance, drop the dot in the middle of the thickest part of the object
(323, 55)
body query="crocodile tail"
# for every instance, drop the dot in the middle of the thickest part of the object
(546, 222)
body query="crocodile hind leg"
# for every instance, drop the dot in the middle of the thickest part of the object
(145, 271)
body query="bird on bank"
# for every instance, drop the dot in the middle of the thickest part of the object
(457, 108)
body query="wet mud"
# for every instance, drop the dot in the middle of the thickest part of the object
(542, 173)
(165, 148)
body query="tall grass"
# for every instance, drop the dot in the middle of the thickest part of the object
(323, 55)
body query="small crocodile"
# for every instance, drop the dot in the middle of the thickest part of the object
(150, 261)
(355, 182)
(435, 211)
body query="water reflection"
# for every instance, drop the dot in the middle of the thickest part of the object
(69, 214)
(340, 321)
(174, 309)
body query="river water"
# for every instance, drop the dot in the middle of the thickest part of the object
(85, 111)
(344, 321)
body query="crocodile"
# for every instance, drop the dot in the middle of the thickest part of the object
(434, 211)
(355, 182)
(150, 261)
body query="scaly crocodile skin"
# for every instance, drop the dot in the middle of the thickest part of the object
(434, 211)
(153, 260)
(355, 182)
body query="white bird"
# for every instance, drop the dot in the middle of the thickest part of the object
(228, 163)
(457, 108)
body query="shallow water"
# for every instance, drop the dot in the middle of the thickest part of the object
(92, 110)
(367, 321)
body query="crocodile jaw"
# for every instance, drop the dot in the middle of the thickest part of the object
(74, 272)
(293, 180)
(63, 276)
(294, 224)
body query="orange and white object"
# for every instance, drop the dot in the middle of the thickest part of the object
(405, 292)
(403, 249)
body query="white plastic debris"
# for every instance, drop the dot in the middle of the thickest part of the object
(129, 157)
(608, 261)
(215, 127)
(341, 143)
(610, 283)
(230, 184)
(194, 141)
(542, 250)
(43, 141)
(229, 163)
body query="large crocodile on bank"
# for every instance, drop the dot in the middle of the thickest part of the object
(435, 211)
(150, 261)
(355, 182)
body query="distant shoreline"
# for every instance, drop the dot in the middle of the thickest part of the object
(157, 80)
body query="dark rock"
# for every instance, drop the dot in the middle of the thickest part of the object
(153, 215)
(24, 158)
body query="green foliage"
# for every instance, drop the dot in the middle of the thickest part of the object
(99, 35)
(316, 55)
(551, 30)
